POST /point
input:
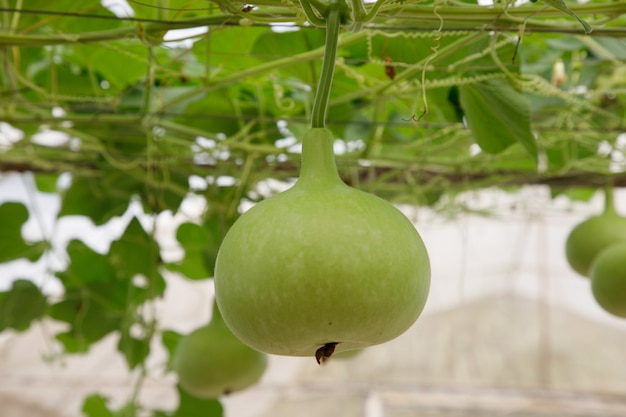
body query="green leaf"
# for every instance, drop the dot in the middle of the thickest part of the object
(22, 304)
(66, 19)
(13, 215)
(46, 183)
(86, 267)
(137, 253)
(201, 245)
(90, 315)
(135, 350)
(227, 50)
(498, 116)
(94, 303)
(560, 5)
(65, 79)
(616, 47)
(134, 253)
(95, 405)
(95, 199)
(273, 45)
(102, 291)
(170, 339)
(100, 59)
(190, 406)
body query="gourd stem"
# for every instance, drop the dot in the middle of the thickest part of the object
(320, 104)
(609, 205)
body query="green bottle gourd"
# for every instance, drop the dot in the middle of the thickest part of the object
(589, 238)
(211, 362)
(608, 279)
(321, 267)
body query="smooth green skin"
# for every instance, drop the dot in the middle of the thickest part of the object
(608, 279)
(211, 361)
(321, 263)
(591, 237)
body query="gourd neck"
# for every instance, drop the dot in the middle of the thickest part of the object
(318, 158)
(609, 204)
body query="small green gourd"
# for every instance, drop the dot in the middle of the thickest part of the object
(211, 362)
(592, 236)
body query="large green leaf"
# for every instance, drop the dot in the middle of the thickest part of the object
(134, 349)
(96, 405)
(87, 267)
(90, 315)
(104, 291)
(95, 199)
(22, 304)
(498, 115)
(134, 252)
(136, 259)
(46, 183)
(228, 49)
(615, 46)
(274, 45)
(69, 16)
(201, 244)
(65, 79)
(190, 406)
(13, 215)
(104, 60)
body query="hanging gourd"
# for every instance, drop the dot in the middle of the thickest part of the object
(608, 279)
(321, 267)
(211, 362)
(592, 236)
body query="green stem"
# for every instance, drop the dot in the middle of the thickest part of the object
(372, 13)
(358, 10)
(16, 16)
(310, 13)
(320, 105)
(609, 204)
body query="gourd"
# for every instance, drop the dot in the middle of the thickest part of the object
(321, 267)
(608, 279)
(210, 361)
(321, 264)
(589, 238)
